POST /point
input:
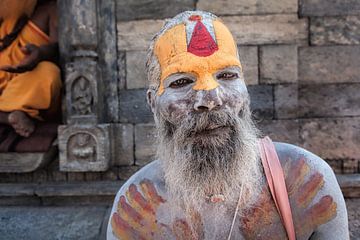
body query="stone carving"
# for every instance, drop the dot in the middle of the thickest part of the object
(82, 92)
(82, 98)
(82, 146)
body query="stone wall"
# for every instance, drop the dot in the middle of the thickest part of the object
(301, 62)
(302, 66)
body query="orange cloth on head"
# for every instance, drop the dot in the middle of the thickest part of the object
(32, 91)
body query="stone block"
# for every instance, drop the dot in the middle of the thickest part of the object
(286, 101)
(353, 209)
(268, 29)
(136, 35)
(145, 9)
(248, 7)
(134, 107)
(281, 130)
(66, 222)
(249, 61)
(329, 8)
(75, 176)
(335, 30)
(122, 69)
(329, 64)
(329, 100)
(262, 101)
(82, 93)
(84, 147)
(26, 162)
(278, 64)
(135, 69)
(125, 173)
(110, 175)
(145, 143)
(351, 166)
(123, 148)
(331, 138)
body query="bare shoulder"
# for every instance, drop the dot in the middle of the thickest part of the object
(138, 198)
(315, 196)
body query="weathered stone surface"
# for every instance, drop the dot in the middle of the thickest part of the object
(281, 130)
(247, 7)
(136, 35)
(122, 69)
(349, 184)
(335, 30)
(329, 8)
(262, 102)
(353, 207)
(286, 101)
(25, 162)
(133, 107)
(145, 143)
(126, 172)
(329, 64)
(75, 176)
(351, 166)
(268, 29)
(135, 69)
(329, 100)
(84, 147)
(332, 138)
(123, 148)
(249, 60)
(145, 9)
(278, 64)
(51, 223)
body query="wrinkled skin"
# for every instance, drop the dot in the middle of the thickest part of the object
(180, 99)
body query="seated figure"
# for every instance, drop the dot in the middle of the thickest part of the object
(215, 177)
(30, 81)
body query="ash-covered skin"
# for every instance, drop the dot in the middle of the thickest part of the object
(180, 99)
(316, 201)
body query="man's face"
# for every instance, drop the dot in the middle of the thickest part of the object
(200, 73)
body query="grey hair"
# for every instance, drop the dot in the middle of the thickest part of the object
(152, 63)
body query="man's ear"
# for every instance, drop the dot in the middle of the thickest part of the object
(150, 97)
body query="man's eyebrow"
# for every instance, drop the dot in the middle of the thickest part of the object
(237, 68)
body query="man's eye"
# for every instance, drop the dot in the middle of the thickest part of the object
(182, 82)
(227, 76)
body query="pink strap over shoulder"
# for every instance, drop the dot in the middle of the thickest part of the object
(276, 181)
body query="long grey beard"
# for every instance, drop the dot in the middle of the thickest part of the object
(197, 165)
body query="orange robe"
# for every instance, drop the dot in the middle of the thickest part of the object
(36, 92)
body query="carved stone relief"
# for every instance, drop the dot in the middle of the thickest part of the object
(82, 98)
(81, 146)
(84, 147)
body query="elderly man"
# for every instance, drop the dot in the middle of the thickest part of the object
(214, 177)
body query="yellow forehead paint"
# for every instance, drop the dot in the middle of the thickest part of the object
(173, 55)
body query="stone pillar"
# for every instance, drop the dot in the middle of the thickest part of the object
(88, 52)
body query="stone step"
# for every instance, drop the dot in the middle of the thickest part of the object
(102, 192)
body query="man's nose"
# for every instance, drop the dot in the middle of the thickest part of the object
(207, 100)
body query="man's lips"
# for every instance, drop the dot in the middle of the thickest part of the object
(212, 130)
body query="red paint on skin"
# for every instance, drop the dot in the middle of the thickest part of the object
(140, 199)
(310, 188)
(154, 197)
(129, 210)
(202, 44)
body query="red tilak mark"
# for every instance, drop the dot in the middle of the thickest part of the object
(195, 18)
(201, 43)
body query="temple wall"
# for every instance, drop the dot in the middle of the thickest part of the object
(301, 61)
